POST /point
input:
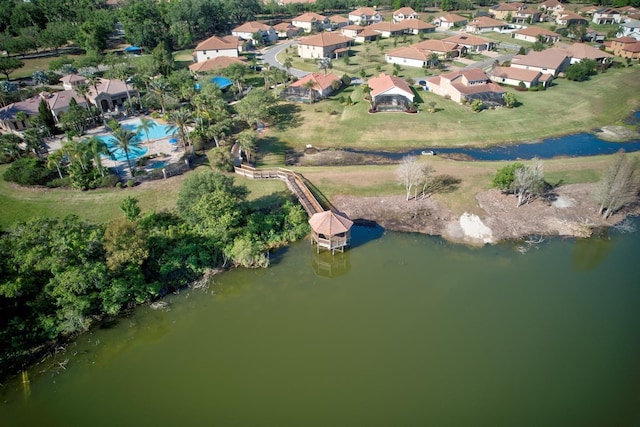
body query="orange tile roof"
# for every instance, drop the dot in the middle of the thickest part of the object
(486, 22)
(219, 43)
(548, 58)
(583, 51)
(406, 11)
(515, 73)
(452, 17)
(330, 223)
(409, 52)
(415, 24)
(536, 31)
(320, 80)
(367, 11)
(386, 26)
(216, 63)
(325, 39)
(309, 17)
(436, 46)
(468, 40)
(338, 19)
(251, 27)
(384, 82)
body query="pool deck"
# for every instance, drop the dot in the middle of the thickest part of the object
(173, 152)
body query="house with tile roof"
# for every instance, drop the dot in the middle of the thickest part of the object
(513, 76)
(626, 47)
(580, 51)
(287, 30)
(549, 61)
(338, 21)
(387, 29)
(9, 114)
(571, 18)
(324, 45)
(606, 16)
(247, 30)
(630, 28)
(366, 35)
(59, 102)
(351, 30)
(410, 57)
(484, 24)
(390, 93)
(404, 13)
(417, 26)
(312, 87)
(215, 64)
(466, 85)
(215, 46)
(551, 7)
(450, 20)
(311, 21)
(472, 42)
(444, 49)
(365, 16)
(533, 34)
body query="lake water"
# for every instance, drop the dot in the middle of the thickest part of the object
(401, 330)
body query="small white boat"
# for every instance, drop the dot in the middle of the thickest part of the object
(428, 153)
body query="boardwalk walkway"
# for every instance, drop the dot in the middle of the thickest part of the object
(295, 184)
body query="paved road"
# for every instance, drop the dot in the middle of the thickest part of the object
(269, 56)
(486, 63)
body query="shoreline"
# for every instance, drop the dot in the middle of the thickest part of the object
(571, 213)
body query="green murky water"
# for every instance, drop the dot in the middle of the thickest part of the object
(407, 331)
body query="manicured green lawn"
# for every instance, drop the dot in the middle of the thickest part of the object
(567, 107)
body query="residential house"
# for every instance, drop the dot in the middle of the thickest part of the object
(444, 49)
(483, 24)
(337, 21)
(59, 102)
(324, 45)
(552, 7)
(246, 31)
(416, 26)
(594, 36)
(390, 93)
(387, 29)
(410, 57)
(365, 16)
(526, 15)
(351, 30)
(110, 94)
(513, 76)
(626, 47)
(311, 87)
(630, 28)
(450, 20)
(571, 18)
(606, 16)
(218, 63)
(366, 34)
(533, 34)
(9, 114)
(549, 61)
(287, 30)
(471, 42)
(311, 21)
(215, 46)
(505, 11)
(71, 81)
(466, 85)
(589, 10)
(404, 13)
(581, 51)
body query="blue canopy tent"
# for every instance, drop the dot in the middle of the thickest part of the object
(133, 50)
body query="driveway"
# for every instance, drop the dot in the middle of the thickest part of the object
(269, 57)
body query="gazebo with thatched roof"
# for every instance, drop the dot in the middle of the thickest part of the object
(330, 230)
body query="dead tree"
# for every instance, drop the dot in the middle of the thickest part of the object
(618, 186)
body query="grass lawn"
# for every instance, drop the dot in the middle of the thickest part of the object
(37, 64)
(567, 107)
(21, 203)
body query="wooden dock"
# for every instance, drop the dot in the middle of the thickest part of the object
(294, 182)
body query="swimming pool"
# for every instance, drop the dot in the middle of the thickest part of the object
(156, 132)
(222, 82)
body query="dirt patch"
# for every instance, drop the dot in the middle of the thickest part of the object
(576, 215)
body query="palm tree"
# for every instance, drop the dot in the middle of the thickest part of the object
(97, 147)
(55, 160)
(309, 85)
(34, 140)
(325, 64)
(247, 142)
(125, 140)
(146, 125)
(10, 145)
(179, 121)
(160, 89)
(288, 63)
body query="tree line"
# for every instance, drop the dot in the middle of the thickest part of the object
(58, 276)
